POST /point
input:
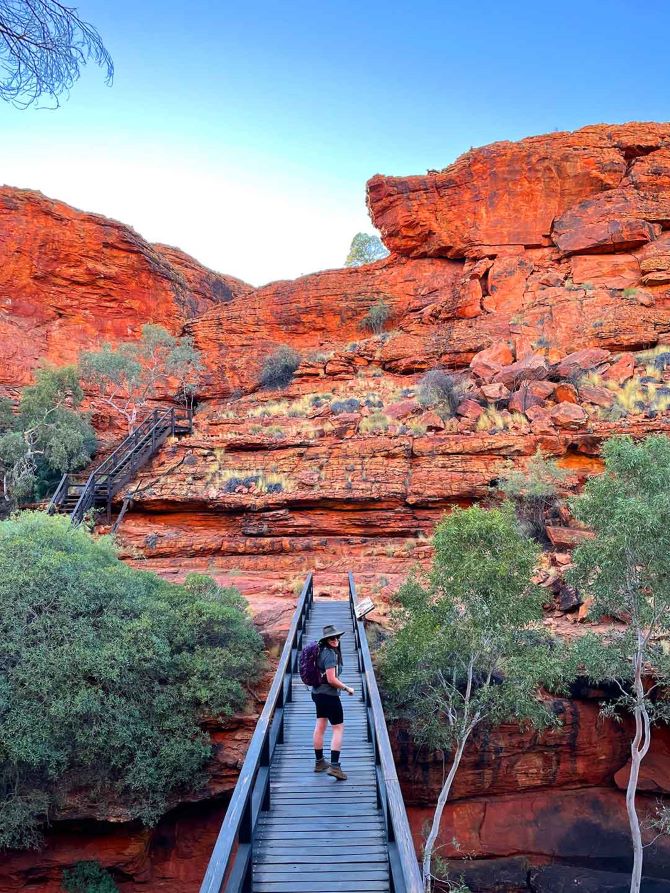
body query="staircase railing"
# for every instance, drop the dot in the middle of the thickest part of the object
(231, 860)
(403, 864)
(121, 465)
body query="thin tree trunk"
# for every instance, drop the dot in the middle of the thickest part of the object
(437, 817)
(638, 749)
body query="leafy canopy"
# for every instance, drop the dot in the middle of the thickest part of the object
(365, 249)
(467, 651)
(624, 568)
(48, 435)
(105, 673)
(127, 376)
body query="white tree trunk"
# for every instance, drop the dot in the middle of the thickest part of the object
(638, 749)
(437, 817)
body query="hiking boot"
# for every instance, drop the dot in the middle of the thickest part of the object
(321, 765)
(336, 771)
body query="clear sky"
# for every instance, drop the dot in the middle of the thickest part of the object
(244, 132)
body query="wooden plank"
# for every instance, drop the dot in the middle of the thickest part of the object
(316, 886)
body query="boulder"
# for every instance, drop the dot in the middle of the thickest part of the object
(470, 409)
(621, 370)
(495, 392)
(487, 362)
(569, 415)
(532, 367)
(596, 395)
(523, 399)
(582, 361)
(567, 537)
(566, 393)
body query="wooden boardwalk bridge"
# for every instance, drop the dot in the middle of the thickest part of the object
(291, 830)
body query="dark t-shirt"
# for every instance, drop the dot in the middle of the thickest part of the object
(327, 658)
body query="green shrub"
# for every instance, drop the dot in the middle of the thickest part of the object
(106, 672)
(375, 422)
(279, 368)
(534, 492)
(376, 317)
(88, 877)
(440, 390)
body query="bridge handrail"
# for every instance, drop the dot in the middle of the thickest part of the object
(403, 863)
(150, 433)
(132, 441)
(252, 791)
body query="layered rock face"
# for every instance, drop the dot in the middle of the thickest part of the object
(70, 280)
(537, 274)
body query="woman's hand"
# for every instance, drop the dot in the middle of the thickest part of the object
(350, 691)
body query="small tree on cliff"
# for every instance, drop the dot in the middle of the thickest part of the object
(46, 437)
(127, 377)
(625, 570)
(466, 653)
(365, 249)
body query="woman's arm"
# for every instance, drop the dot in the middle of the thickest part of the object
(331, 678)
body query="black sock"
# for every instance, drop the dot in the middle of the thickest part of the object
(335, 757)
(318, 751)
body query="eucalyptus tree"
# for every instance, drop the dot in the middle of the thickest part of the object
(625, 570)
(365, 249)
(46, 436)
(127, 377)
(468, 651)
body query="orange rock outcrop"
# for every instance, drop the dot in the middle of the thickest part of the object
(537, 274)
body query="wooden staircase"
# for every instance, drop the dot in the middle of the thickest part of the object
(78, 494)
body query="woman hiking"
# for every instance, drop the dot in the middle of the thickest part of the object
(326, 697)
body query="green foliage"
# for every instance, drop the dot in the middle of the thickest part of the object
(376, 317)
(47, 436)
(465, 652)
(105, 673)
(534, 492)
(624, 569)
(376, 422)
(279, 368)
(131, 374)
(469, 651)
(442, 391)
(88, 877)
(365, 249)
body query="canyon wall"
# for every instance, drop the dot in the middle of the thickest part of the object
(538, 275)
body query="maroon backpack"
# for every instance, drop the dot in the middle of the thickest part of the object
(308, 667)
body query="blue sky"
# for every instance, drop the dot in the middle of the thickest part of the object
(244, 133)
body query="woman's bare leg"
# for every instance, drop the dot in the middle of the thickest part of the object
(338, 734)
(319, 730)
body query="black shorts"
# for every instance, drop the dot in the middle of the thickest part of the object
(329, 707)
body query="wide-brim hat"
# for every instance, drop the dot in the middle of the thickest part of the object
(331, 632)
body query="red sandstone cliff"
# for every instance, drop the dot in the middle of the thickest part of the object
(69, 280)
(537, 271)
